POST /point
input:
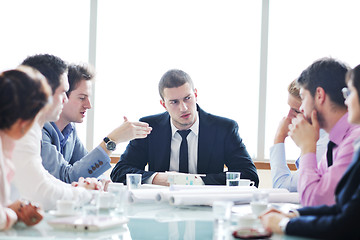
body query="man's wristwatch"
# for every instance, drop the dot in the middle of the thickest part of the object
(110, 144)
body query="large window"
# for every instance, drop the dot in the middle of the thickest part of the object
(216, 42)
(41, 26)
(306, 31)
(32, 27)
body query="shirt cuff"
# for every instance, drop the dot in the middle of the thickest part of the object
(103, 152)
(150, 179)
(11, 218)
(308, 161)
(296, 212)
(198, 181)
(283, 223)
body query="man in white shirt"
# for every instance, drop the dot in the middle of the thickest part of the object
(185, 139)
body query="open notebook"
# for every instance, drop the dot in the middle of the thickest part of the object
(87, 223)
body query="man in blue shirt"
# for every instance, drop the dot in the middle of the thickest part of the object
(62, 152)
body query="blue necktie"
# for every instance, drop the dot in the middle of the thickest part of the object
(184, 156)
(329, 154)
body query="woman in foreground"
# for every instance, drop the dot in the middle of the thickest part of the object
(23, 93)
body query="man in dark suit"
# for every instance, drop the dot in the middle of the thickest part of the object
(185, 139)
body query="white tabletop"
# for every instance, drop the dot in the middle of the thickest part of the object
(146, 221)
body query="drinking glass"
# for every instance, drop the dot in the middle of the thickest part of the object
(222, 210)
(133, 180)
(91, 208)
(232, 178)
(120, 194)
(259, 202)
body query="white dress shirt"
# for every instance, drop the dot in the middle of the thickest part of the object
(7, 216)
(192, 139)
(33, 182)
(176, 139)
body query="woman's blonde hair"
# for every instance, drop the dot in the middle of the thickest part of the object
(294, 90)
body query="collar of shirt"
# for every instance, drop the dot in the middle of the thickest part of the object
(194, 128)
(64, 135)
(340, 129)
(356, 145)
(176, 140)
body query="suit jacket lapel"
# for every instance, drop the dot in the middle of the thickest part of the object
(206, 140)
(163, 143)
(352, 167)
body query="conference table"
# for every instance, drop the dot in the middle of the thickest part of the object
(146, 221)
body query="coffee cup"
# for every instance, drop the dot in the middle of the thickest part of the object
(65, 206)
(106, 200)
(246, 182)
(258, 207)
(247, 220)
(90, 210)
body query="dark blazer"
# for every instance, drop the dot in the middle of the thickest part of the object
(219, 144)
(339, 221)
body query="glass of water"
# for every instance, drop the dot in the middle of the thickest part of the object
(120, 194)
(259, 202)
(133, 181)
(232, 179)
(222, 210)
(91, 208)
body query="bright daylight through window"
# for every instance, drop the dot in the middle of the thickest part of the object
(217, 42)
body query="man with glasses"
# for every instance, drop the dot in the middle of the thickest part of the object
(346, 92)
(323, 108)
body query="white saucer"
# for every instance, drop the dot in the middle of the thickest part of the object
(60, 214)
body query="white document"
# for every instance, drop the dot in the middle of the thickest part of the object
(206, 195)
(182, 190)
(207, 198)
(145, 195)
(87, 223)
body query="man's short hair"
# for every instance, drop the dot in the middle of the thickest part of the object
(77, 73)
(172, 79)
(50, 66)
(328, 74)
